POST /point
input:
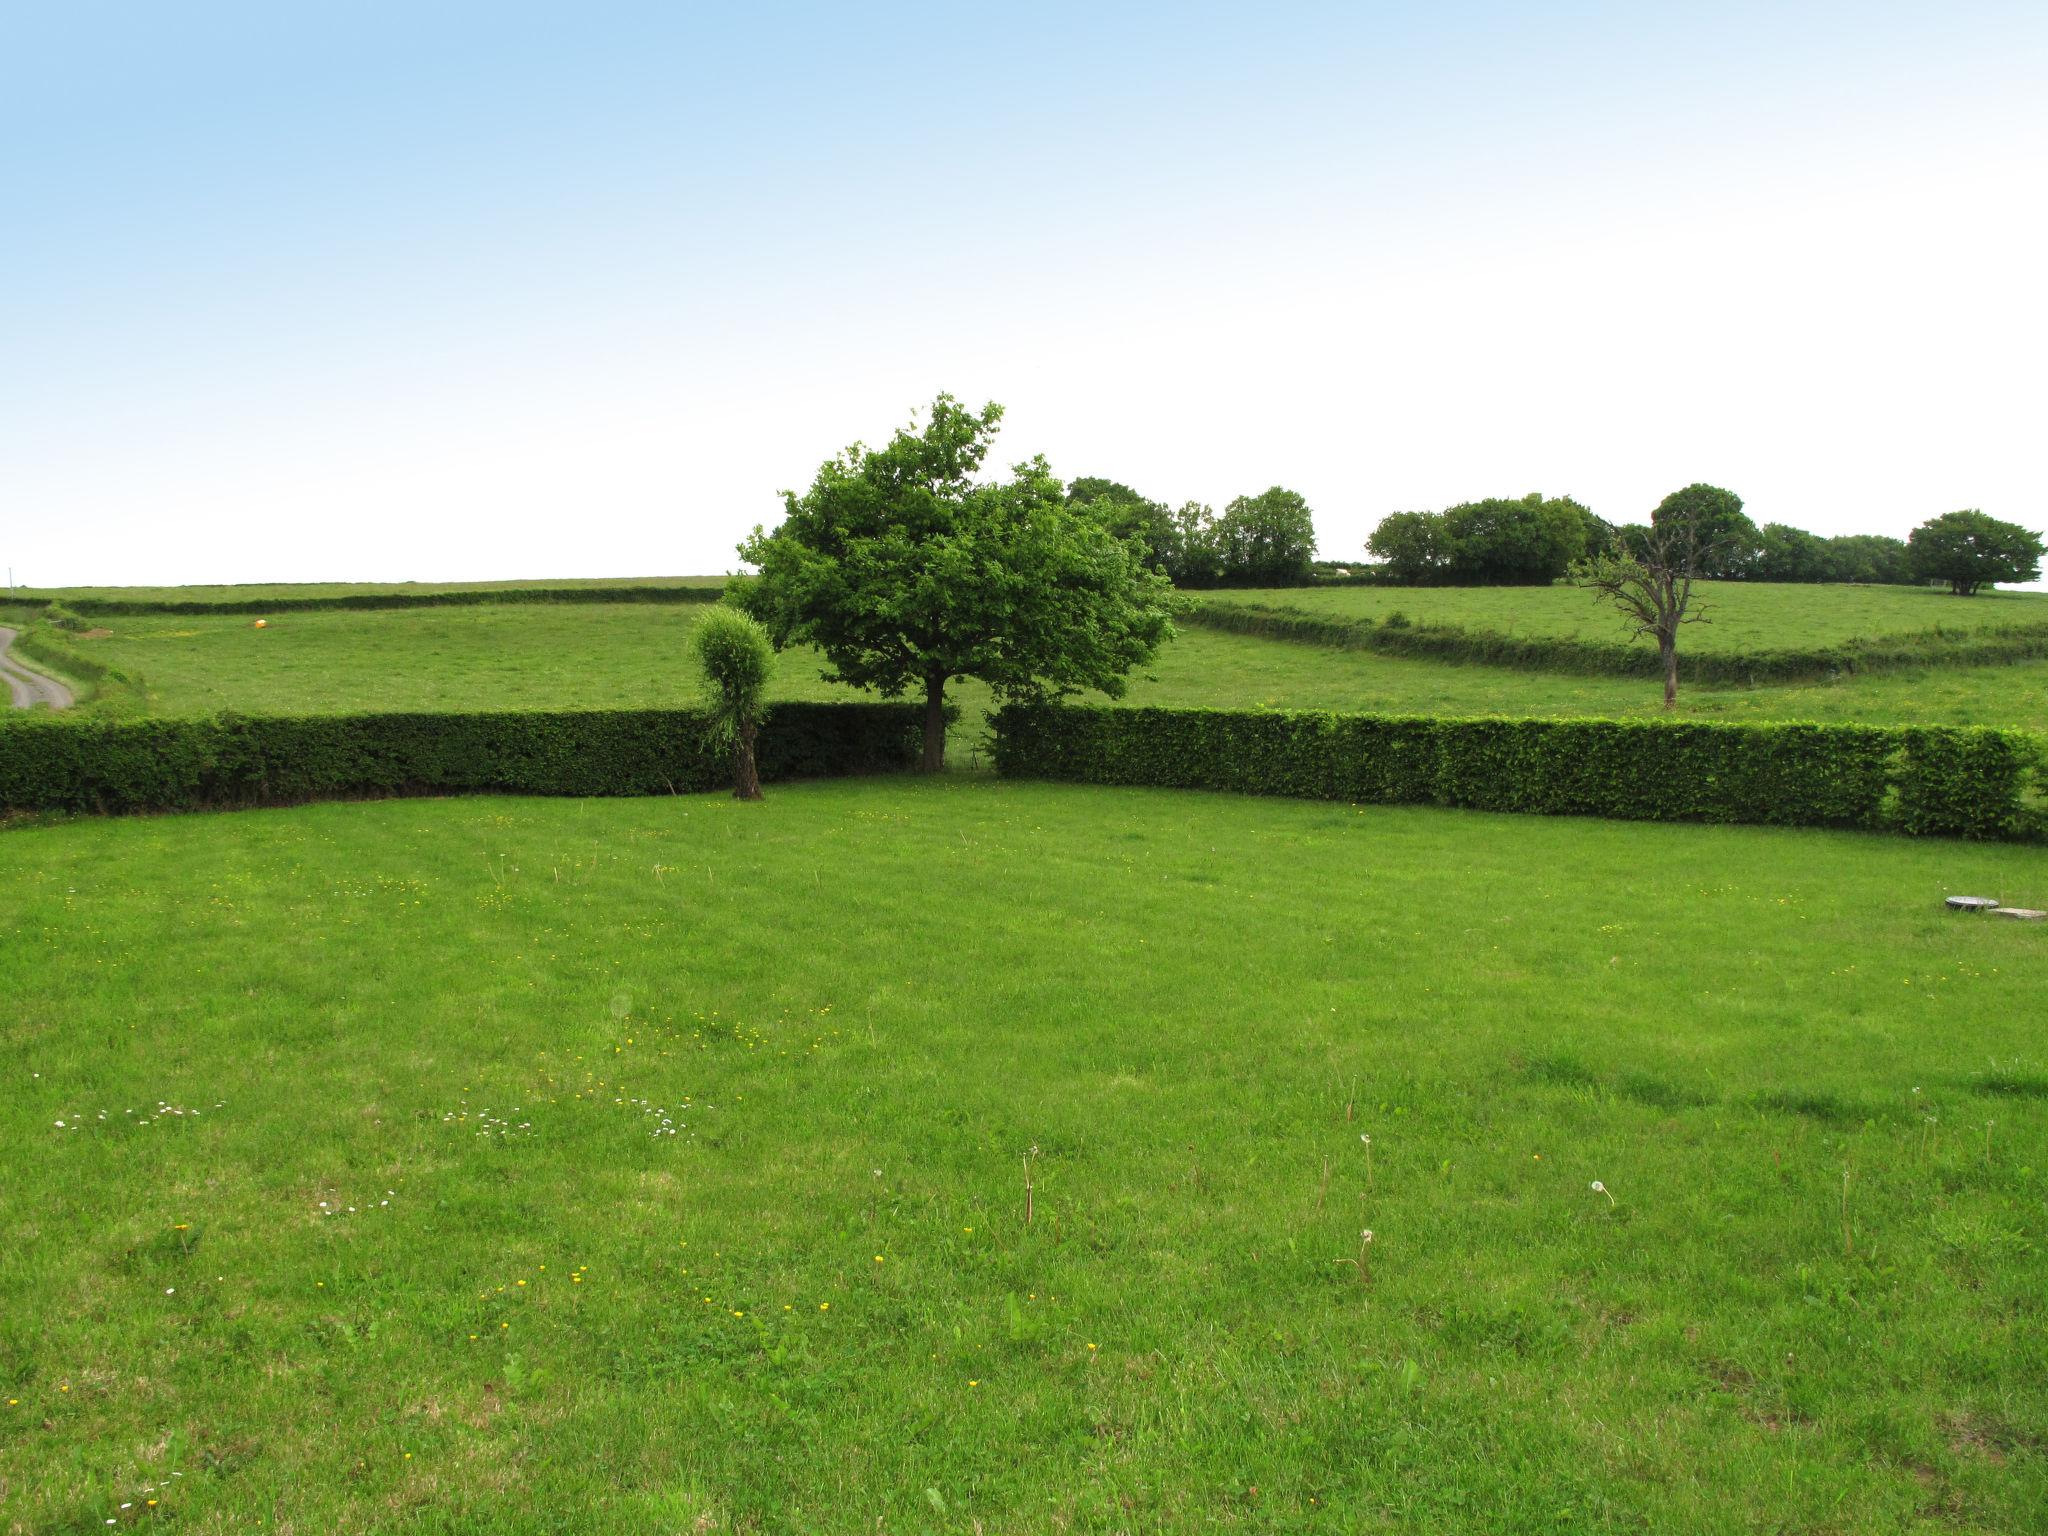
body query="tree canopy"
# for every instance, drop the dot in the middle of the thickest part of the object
(907, 570)
(1527, 540)
(1724, 542)
(1129, 515)
(1970, 551)
(1867, 557)
(1267, 540)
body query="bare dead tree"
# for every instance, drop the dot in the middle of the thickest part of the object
(1650, 583)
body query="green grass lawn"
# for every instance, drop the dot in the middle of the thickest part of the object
(518, 1166)
(548, 656)
(1741, 615)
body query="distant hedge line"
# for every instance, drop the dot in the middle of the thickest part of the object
(1946, 781)
(367, 600)
(1593, 658)
(75, 763)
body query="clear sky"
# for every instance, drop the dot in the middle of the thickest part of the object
(441, 290)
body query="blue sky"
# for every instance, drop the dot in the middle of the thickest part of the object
(442, 291)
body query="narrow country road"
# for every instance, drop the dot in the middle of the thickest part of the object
(25, 688)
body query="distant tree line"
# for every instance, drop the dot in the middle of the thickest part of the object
(1267, 540)
(1529, 541)
(1535, 540)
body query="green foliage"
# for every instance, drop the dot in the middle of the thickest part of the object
(1134, 518)
(1968, 782)
(734, 659)
(1501, 541)
(60, 617)
(84, 763)
(1792, 554)
(1870, 558)
(1969, 551)
(1786, 553)
(1194, 548)
(905, 570)
(1397, 635)
(1268, 539)
(1415, 548)
(1707, 533)
(1956, 781)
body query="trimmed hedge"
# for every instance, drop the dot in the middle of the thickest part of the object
(1593, 658)
(374, 600)
(1962, 781)
(73, 763)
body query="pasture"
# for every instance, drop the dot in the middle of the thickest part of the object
(262, 591)
(654, 1165)
(602, 655)
(1740, 615)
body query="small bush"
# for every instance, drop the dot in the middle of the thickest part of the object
(734, 658)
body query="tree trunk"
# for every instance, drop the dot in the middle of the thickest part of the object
(1667, 652)
(934, 724)
(746, 776)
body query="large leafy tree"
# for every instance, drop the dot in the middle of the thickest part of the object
(1414, 548)
(1268, 539)
(1710, 522)
(908, 571)
(1194, 549)
(1527, 541)
(1970, 551)
(1129, 515)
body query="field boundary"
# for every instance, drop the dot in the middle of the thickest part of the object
(88, 764)
(372, 601)
(1960, 781)
(1458, 644)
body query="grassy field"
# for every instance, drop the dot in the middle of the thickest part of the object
(604, 655)
(1741, 615)
(522, 1166)
(255, 591)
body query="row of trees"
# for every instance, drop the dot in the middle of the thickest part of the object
(1267, 540)
(1497, 542)
(1966, 551)
(1533, 540)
